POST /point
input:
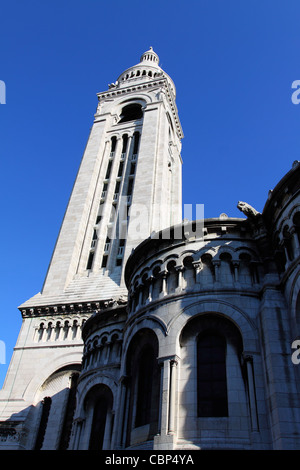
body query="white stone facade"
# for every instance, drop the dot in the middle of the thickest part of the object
(231, 281)
(183, 339)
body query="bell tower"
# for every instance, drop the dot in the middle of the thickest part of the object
(128, 186)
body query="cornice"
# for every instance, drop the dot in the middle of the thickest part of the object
(71, 308)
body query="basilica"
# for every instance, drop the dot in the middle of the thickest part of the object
(152, 331)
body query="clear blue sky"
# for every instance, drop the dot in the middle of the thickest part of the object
(232, 61)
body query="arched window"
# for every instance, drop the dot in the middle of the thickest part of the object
(143, 387)
(113, 144)
(214, 345)
(98, 426)
(102, 400)
(131, 112)
(188, 273)
(226, 268)
(172, 277)
(211, 375)
(136, 137)
(125, 142)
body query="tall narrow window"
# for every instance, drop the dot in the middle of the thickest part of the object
(130, 186)
(46, 405)
(104, 191)
(120, 253)
(68, 419)
(120, 171)
(94, 240)
(132, 168)
(113, 144)
(104, 261)
(100, 402)
(125, 141)
(117, 187)
(143, 386)
(107, 245)
(108, 169)
(144, 391)
(98, 426)
(212, 383)
(136, 136)
(90, 260)
(100, 212)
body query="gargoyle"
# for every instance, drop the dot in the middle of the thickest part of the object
(248, 210)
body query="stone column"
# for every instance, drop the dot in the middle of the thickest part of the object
(164, 284)
(172, 396)
(150, 280)
(117, 441)
(236, 270)
(179, 270)
(78, 424)
(123, 414)
(161, 365)
(251, 390)
(108, 430)
(198, 265)
(168, 400)
(216, 265)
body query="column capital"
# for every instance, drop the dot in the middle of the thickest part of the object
(216, 262)
(171, 359)
(247, 357)
(198, 265)
(180, 267)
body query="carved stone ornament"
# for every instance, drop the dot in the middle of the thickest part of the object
(248, 210)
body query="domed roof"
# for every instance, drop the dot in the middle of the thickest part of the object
(148, 67)
(150, 57)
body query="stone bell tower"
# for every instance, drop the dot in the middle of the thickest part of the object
(128, 186)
